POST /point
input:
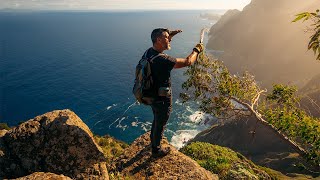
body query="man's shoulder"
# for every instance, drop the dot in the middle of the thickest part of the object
(159, 57)
(169, 58)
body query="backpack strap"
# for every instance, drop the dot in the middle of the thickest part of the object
(152, 57)
(145, 54)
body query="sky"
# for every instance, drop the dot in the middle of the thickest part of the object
(122, 4)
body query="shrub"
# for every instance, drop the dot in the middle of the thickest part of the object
(4, 126)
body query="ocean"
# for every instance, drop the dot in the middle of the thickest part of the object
(85, 61)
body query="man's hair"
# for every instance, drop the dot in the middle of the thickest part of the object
(158, 33)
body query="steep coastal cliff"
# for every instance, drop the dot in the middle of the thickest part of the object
(263, 40)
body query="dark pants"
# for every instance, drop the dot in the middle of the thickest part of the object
(161, 113)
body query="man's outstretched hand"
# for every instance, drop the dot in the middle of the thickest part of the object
(199, 48)
(174, 32)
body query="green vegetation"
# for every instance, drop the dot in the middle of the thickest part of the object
(111, 147)
(213, 158)
(4, 126)
(314, 27)
(284, 113)
(228, 96)
(219, 92)
(225, 162)
(278, 175)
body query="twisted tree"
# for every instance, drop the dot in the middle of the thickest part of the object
(228, 96)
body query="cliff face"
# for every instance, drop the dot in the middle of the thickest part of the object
(262, 40)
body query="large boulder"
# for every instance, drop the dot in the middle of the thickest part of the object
(57, 142)
(138, 162)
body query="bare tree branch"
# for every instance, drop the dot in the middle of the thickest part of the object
(313, 103)
(299, 149)
(257, 97)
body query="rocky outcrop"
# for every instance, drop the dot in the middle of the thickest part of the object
(257, 142)
(137, 162)
(57, 142)
(44, 176)
(263, 40)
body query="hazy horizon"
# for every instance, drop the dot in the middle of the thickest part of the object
(121, 5)
(111, 10)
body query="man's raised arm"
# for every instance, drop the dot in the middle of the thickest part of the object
(183, 62)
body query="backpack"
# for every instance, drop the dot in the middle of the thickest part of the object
(143, 88)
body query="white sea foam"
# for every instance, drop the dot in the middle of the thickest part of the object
(123, 118)
(181, 137)
(98, 122)
(98, 113)
(119, 125)
(197, 122)
(178, 102)
(113, 105)
(146, 126)
(109, 107)
(135, 124)
(203, 118)
(196, 117)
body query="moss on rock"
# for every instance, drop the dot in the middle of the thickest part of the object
(4, 126)
(112, 148)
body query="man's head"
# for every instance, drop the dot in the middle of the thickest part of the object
(161, 38)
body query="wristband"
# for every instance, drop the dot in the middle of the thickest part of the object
(196, 50)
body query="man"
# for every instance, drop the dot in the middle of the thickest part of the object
(161, 68)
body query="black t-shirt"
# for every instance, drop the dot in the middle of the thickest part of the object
(161, 68)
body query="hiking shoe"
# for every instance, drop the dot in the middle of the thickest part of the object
(161, 152)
